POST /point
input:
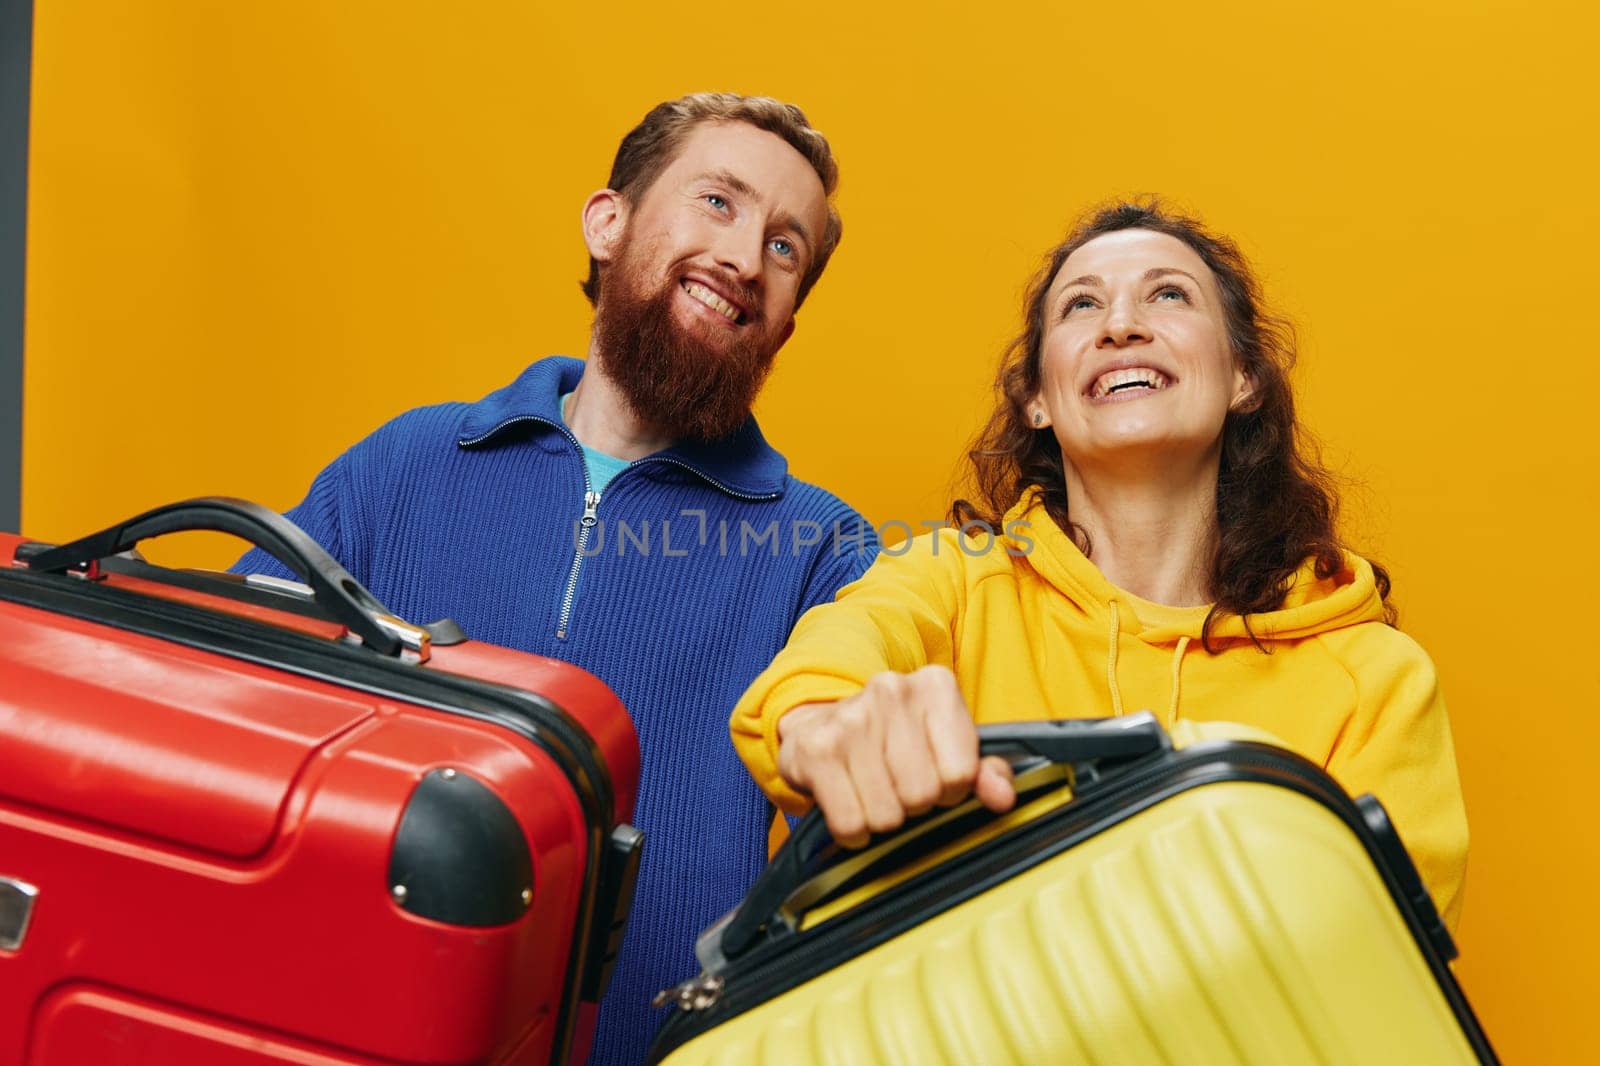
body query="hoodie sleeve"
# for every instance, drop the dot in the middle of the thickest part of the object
(1398, 747)
(900, 616)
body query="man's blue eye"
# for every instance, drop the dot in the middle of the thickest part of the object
(782, 247)
(716, 201)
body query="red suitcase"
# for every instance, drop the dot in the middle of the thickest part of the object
(244, 825)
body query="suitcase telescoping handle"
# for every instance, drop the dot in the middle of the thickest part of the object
(1090, 747)
(332, 587)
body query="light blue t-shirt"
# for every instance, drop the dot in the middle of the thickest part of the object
(602, 467)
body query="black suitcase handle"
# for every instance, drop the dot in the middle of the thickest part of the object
(1090, 747)
(332, 587)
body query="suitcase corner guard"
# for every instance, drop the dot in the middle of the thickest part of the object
(460, 856)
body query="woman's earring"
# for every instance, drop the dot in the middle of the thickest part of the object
(1038, 418)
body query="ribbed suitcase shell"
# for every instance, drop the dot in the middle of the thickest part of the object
(1235, 921)
(207, 796)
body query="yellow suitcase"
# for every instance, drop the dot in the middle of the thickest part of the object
(1151, 899)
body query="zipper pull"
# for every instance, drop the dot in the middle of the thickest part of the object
(697, 993)
(591, 501)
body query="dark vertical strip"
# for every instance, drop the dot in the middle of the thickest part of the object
(16, 69)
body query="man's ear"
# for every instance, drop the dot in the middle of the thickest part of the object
(605, 216)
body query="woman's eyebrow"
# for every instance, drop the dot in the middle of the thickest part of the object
(1160, 272)
(1086, 279)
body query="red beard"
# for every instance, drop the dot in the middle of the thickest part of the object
(686, 381)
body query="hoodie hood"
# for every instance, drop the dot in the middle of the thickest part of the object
(1313, 605)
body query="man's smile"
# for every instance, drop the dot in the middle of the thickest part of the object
(707, 296)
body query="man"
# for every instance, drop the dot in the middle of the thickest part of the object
(625, 514)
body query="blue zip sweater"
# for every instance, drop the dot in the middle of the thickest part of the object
(470, 511)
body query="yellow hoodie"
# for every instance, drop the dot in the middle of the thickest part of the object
(1032, 629)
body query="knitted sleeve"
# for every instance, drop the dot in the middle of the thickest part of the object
(334, 512)
(1398, 747)
(900, 616)
(317, 515)
(849, 546)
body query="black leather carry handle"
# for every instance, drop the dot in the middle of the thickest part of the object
(1092, 746)
(332, 587)
(1089, 743)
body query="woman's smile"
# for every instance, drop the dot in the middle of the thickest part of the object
(1121, 384)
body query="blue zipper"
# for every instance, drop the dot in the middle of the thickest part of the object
(591, 501)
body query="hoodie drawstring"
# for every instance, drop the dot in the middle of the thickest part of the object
(1111, 669)
(1111, 663)
(1177, 675)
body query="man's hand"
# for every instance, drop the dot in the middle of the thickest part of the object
(903, 744)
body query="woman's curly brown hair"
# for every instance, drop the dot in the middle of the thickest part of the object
(1276, 504)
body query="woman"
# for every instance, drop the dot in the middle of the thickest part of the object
(1160, 542)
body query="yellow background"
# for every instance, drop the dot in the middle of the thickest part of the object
(257, 230)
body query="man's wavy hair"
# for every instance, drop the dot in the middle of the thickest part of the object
(1276, 504)
(652, 145)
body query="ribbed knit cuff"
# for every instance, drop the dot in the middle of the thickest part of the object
(785, 697)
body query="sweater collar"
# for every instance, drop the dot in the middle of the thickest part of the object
(742, 464)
